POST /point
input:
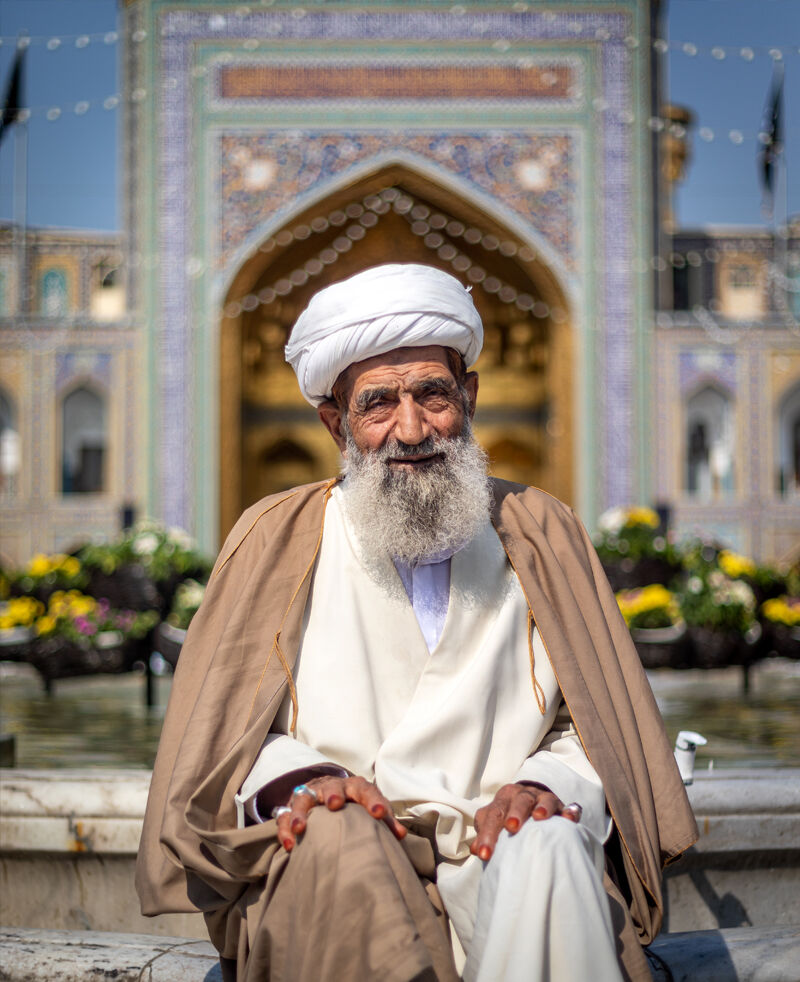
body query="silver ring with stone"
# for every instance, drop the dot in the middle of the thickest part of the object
(279, 810)
(304, 789)
(574, 807)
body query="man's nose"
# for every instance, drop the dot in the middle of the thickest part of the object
(411, 426)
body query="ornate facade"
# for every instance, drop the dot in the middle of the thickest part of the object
(272, 148)
(276, 147)
(68, 389)
(727, 389)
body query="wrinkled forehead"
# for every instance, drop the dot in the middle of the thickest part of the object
(395, 365)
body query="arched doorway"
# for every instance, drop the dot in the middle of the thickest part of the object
(270, 438)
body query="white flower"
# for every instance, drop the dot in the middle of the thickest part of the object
(180, 538)
(741, 593)
(695, 584)
(145, 544)
(659, 543)
(612, 520)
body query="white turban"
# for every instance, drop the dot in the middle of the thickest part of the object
(378, 310)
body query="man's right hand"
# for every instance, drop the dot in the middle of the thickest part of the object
(334, 793)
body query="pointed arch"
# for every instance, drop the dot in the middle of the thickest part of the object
(709, 458)
(396, 213)
(83, 416)
(788, 441)
(9, 445)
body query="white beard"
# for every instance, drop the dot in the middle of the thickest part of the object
(413, 515)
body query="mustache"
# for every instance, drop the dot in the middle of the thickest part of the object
(397, 450)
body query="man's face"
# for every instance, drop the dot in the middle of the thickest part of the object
(405, 396)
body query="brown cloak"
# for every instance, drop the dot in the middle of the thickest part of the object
(236, 665)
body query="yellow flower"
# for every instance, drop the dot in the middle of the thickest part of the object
(39, 565)
(20, 612)
(641, 516)
(782, 610)
(45, 625)
(71, 566)
(736, 566)
(653, 597)
(81, 606)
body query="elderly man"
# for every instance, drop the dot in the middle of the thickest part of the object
(409, 734)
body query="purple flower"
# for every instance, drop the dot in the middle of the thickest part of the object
(125, 619)
(85, 626)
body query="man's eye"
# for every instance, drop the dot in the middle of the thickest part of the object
(375, 405)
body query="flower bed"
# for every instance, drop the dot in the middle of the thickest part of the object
(781, 620)
(733, 611)
(79, 635)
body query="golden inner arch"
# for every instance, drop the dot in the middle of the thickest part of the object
(271, 438)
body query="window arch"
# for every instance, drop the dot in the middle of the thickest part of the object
(83, 441)
(9, 446)
(54, 293)
(709, 443)
(789, 442)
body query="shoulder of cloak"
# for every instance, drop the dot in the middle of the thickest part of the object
(603, 684)
(230, 675)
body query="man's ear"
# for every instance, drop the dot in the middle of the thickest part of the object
(471, 385)
(331, 417)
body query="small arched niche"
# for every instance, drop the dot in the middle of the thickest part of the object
(788, 442)
(10, 450)
(709, 456)
(83, 441)
(396, 215)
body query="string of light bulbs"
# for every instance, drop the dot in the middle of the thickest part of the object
(657, 124)
(691, 49)
(439, 232)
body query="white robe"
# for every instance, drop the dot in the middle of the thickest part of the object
(441, 731)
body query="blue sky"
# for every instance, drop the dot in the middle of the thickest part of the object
(73, 163)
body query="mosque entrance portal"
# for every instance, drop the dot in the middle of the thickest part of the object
(271, 438)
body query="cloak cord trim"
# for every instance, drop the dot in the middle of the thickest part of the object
(538, 691)
(276, 645)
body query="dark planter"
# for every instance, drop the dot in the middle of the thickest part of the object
(715, 647)
(168, 641)
(628, 574)
(14, 643)
(663, 647)
(58, 658)
(127, 588)
(781, 640)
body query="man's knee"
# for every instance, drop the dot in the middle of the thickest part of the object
(552, 841)
(349, 830)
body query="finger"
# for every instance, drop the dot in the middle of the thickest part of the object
(489, 822)
(520, 810)
(547, 805)
(330, 791)
(285, 835)
(292, 823)
(369, 796)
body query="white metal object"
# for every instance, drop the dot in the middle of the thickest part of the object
(685, 746)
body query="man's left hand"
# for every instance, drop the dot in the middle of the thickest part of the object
(513, 805)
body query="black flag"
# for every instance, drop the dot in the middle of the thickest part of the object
(13, 102)
(771, 137)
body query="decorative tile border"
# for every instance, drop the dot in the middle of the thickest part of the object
(255, 84)
(262, 174)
